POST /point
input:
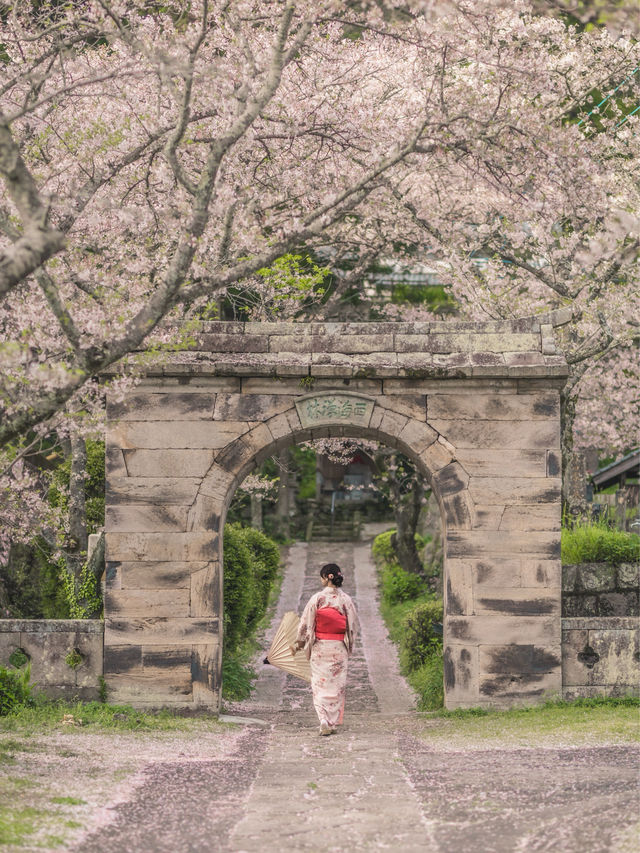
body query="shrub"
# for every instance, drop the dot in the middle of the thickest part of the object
(239, 586)
(419, 640)
(597, 543)
(398, 585)
(15, 689)
(251, 562)
(265, 561)
(237, 677)
(428, 682)
(382, 549)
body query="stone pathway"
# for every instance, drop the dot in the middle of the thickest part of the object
(378, 784)
(349, 792)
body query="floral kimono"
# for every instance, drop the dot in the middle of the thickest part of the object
(328, 629)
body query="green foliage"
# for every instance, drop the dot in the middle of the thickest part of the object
(399, 585)
(240, 590)
(94, 485)
(32, 584)
(83, 594)
(428, 682)
(43, 715)
(32, 577)
(435, 297)
(18, 658)
(292, 282)
(15, 689)
(251, 562)
(265, 561)
(597, 543)
(382, 549)
(237, 677)
(102, 689)
(419, 640)
(294, 276)
(410, 610)
(73, 659)
(304, 461)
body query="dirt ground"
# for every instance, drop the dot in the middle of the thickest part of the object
(391, 779)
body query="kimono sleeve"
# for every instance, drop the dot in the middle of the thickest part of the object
(353, 623)
(307, 621)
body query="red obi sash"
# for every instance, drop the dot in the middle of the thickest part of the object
(330, 624)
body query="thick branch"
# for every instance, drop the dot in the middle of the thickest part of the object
(64, 318)
(39, 242)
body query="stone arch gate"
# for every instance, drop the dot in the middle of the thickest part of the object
(475, 406)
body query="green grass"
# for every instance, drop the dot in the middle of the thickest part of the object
(69, 801)
(597, 543)
(18, 823)
(45, 716)
(583, 721)
(428, 683)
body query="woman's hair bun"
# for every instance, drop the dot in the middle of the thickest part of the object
(333, 573)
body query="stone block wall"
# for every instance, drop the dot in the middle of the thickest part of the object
(600, 657)
(65, 654)
(601, 589)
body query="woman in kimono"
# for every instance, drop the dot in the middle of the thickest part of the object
(327, 632)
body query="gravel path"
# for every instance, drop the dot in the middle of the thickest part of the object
(379, 784)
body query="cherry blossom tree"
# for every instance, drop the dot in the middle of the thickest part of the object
(154, 157)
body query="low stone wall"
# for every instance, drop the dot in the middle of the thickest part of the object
(600, 657)
(65, 654)
(600, 589)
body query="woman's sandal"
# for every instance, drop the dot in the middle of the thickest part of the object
(325, 728)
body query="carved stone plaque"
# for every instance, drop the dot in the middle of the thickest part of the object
(334, 407)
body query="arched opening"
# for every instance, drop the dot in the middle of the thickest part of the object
(429, 452)
(231, 663)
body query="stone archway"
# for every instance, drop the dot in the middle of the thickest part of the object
(476, 406)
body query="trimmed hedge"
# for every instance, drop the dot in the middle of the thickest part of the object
(265, 559)
(251, 562)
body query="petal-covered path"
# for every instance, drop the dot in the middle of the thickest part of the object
(378, 784)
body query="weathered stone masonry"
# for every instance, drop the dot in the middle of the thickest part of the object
(477, 408)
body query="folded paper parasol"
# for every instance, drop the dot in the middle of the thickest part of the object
(280, 652)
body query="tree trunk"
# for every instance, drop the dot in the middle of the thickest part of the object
(284, 494)
(573, 467)
(407, 512)
(76, 550)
